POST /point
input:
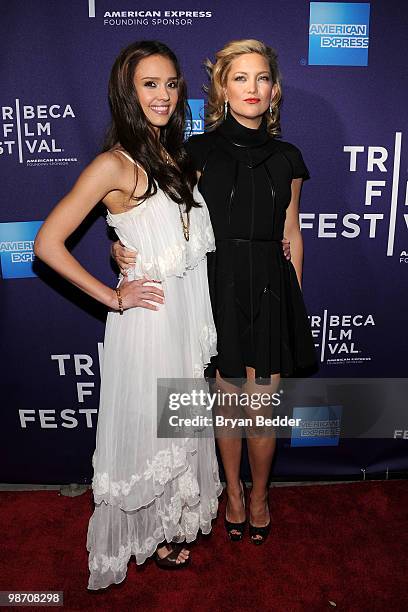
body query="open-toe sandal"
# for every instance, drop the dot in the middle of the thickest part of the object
(258, 535)
(170, 560)
(235, 531)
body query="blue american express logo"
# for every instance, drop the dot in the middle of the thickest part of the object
(196, 125)
(339, 33)
(319, 426)
(16, 248)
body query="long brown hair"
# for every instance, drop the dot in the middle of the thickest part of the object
(131, 129)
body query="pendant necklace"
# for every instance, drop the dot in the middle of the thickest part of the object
(185, 226)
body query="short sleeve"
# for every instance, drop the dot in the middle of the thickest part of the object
(295, 158)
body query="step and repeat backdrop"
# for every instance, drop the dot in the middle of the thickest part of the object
(345, 83)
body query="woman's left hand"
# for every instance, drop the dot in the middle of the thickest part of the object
(123, 257)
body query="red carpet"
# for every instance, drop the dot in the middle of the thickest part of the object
(344, 543)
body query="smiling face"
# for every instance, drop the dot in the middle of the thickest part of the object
(156, 86)
(249, 88)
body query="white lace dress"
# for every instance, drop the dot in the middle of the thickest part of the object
(148, 489)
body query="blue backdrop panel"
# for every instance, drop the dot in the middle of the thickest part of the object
(345, 78)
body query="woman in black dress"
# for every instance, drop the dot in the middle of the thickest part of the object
(251, 183)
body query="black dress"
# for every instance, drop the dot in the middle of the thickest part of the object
(257, 303)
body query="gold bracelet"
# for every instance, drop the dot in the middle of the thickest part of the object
(119, 300)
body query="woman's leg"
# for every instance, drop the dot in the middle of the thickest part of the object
(261, 449)
(229, 443)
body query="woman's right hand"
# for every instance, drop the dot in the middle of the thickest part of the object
(123, 257)
(138, 293)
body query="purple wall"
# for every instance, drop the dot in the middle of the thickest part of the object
(58, 57)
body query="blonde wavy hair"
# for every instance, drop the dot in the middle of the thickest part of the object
(218, 72)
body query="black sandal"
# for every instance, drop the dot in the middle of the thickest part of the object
(262, 532)
(238, 527)
(170, 560)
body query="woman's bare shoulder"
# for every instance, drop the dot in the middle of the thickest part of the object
(108, 165)
(109, 161)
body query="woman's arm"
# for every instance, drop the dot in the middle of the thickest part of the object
(96, 181)
(292, 228)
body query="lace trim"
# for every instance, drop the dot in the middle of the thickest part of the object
(160, 469)
(208, 345)
(180, 519)
(103, 563)
(187, 522)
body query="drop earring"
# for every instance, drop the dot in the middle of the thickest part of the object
(225, 109)
(270, 108)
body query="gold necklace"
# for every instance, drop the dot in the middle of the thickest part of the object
(185, 226)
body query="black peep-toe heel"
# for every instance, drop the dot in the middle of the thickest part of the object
(261, 532)
(237, 527)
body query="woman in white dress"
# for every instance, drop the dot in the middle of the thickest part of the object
(150, 493)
